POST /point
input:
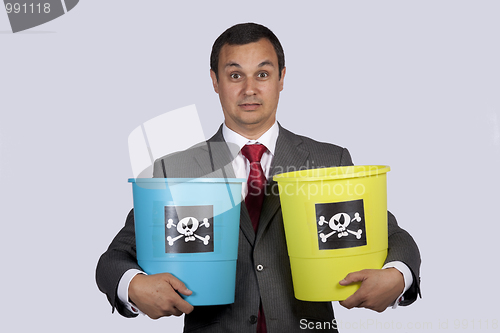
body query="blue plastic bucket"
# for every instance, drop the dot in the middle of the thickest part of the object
(190, 228)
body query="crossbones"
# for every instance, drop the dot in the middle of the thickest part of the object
(339, 223)
(187, 228)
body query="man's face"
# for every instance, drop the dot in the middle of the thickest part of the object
(249, 86)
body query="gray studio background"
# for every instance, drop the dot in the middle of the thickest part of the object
(411, 84)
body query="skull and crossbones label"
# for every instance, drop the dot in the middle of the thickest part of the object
(189, 229)
(340, 224)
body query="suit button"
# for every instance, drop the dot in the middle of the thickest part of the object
(253, 319)
(260, 268)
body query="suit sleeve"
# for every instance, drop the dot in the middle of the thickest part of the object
(402, 247)
(119, 257)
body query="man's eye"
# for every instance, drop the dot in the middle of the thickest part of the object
(263, 75)
(235, 76)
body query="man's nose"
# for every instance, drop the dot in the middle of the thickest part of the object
(250, 87)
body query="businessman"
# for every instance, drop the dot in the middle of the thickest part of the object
(248, 72)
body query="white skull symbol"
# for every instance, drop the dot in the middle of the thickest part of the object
(187, 226)
(339, 222)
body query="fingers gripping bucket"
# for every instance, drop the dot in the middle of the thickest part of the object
(335, 223)
(190, 228)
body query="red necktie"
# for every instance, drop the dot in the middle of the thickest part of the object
(256, 182)
(253, 201)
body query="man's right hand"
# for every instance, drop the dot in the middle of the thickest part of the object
(156, 295)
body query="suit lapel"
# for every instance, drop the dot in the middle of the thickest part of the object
(222, 156)
(246, 224)
(216, 157)
(288, 157)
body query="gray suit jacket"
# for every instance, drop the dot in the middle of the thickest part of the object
(272, 285)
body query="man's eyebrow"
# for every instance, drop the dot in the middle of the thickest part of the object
(235, 64)
(266, 62)
(262, 64)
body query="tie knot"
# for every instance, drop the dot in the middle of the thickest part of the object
(253, 152)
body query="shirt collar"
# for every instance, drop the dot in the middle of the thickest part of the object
(268, 139)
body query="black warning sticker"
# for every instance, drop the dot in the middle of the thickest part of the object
(341, 224)
(189, 229)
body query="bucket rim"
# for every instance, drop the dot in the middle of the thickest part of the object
(187, 180)
(358, 171)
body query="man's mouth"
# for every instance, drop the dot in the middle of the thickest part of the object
(249, 106)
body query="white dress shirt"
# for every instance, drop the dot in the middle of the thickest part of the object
(241, 168)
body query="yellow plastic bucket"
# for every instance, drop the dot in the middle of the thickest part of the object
(335, 223)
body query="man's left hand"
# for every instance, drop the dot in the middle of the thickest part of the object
(379, 288)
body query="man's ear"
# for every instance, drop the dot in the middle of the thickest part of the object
(282, 80)
(214, 81)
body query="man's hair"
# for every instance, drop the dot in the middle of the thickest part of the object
(241, 34)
